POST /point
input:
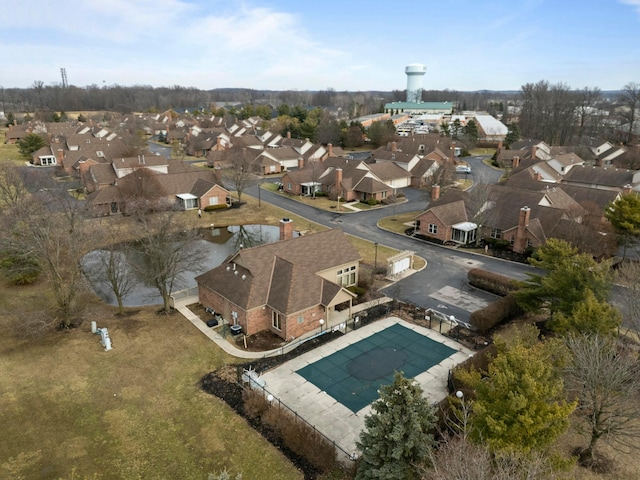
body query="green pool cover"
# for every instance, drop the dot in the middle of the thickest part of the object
(353, 375)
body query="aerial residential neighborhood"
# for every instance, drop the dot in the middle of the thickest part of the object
(315, 241)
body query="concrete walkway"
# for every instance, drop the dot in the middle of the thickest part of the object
(224, 344)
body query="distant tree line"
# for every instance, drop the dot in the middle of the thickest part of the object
(555, 113)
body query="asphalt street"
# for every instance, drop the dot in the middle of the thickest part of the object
(442, 285)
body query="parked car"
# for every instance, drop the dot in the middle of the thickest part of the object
(463, 169)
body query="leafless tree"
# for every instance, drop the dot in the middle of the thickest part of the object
(239, 174)
(114, 270)
(458, 458)
(586, 109)
(166, 252)
(628, 275)
(56, 235)
(548, 112)
(480, 206)
(142, 193)
(630, 101)
(604, 377)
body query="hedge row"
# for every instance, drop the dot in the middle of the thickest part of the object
(491, 282)
(505, 308)
(211, 208)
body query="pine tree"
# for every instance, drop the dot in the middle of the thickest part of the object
(397, 438)
(520, 403)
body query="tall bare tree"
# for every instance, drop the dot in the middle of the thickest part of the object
(630, 101)
(587, 101)
(628, 276)
(167, 251)
(604, 377)
(239, 174)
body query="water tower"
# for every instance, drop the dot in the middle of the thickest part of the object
(414, 72)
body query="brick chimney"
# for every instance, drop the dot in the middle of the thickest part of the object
(499, 146)
(59, 156)
(289, 135)
(534, 151)
(301, 163)
(627, 189)
(435, 192)
(286, 229)
(394, 147)
(515, 162)
(338, 179)
(330, 148)
(520, 241)
(537, 176)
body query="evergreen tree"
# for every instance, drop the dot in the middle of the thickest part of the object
(32, 142)
(397, 438)
(624, 215)
(519, 403)
(590, 316)
(569, 276)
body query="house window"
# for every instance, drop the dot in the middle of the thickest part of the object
(529, 243)
(384, 194)
(289, 186)
(512, 240)
(276, 320)
(213, 200)
(433, 228)
(496, 233)
(347, 276)
(300, 319)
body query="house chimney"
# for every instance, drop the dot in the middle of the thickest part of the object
(289, 135)
(499, 146)
(218, 143)
(286, 229)
(435, 192)
(301, 163)
(627, 189)
(330, 148)
(338, 179)
(537, 176)
(394, 146)
(525, 213)
(534, 151)
(59, 156)
(520, 240)
(515, 162)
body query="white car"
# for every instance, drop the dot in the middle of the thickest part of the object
(463, 169)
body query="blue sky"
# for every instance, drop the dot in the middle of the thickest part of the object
(319, 44)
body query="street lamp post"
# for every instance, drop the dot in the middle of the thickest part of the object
(321, 324)
(375, 260)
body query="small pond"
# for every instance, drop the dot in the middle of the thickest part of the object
(217, 243)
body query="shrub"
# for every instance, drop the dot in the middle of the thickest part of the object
(504, 308)
(357, 290)
(372, 201)
(211, 208)
(297, 435)
(491, 282)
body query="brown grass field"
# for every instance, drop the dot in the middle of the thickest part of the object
(70, 410)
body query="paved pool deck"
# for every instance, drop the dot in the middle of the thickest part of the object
(332, 418)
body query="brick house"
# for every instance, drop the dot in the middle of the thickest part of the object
(286, 287)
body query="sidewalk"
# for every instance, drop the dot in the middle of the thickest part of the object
(181, 306)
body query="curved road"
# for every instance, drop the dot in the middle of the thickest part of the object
(442, 285)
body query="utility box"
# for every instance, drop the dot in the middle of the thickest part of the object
(105, 340)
